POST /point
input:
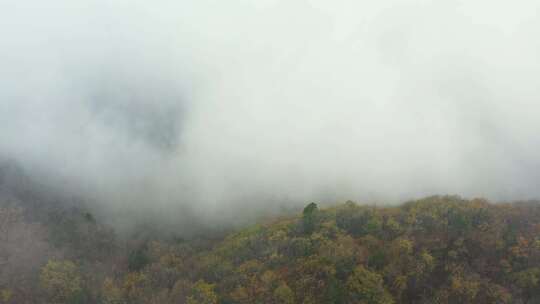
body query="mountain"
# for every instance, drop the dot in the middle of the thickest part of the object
(440, 249)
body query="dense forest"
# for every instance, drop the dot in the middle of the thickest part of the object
(440, 249)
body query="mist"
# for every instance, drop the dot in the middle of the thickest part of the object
(207, 111)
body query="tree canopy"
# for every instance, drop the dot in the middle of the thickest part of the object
(440, 249)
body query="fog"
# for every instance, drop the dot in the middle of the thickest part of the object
(206, 110)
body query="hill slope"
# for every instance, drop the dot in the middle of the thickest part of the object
(440, 249)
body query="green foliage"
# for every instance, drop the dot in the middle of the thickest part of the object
(309, 219)
(359, 221)
(138, 259)
(528, 279)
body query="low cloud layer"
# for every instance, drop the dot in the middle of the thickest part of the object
(215, 108)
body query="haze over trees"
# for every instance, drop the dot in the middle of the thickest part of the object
(204, 152)
(440, 249)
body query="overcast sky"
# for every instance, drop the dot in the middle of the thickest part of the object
(228, 105)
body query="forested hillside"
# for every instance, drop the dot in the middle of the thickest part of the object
(269, 152)
(440, 249)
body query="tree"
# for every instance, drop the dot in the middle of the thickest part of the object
(61, 281)
(203, 293)
(5, 295)
(8, 218)
(111, 293)
(359, 221)
(284, 294)
(309, 218)
(136, 287)
(138, 259)
(366, 287)
(23, 251)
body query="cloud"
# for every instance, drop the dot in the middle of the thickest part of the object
(213, 108)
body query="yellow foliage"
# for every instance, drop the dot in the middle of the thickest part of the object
(111, 293)
(61, 281)
(5, 295)
(135, 284)
(203, 293)
(284, 294)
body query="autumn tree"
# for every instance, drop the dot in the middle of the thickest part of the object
(203, 293)
(366, 287)
(61, 281)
